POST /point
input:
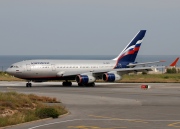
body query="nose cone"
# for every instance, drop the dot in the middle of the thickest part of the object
(9, 71)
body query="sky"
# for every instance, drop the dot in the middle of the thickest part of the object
(88, 27)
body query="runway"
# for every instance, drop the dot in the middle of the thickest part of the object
(107, 106)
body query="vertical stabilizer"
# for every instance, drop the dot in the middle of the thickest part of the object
(175, 62)
(129, 53)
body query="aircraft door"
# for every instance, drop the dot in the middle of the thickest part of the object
(53, 67)
(28, 67)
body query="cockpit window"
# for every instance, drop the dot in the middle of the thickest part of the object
(14, 66)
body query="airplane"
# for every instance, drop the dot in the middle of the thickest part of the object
(173, 64)
(84, 72)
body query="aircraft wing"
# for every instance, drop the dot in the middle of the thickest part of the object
(96, 72)
(126, 70)
(145, 63)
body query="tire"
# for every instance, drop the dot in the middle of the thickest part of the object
(80, 84)
(67, 83)
(28, 84)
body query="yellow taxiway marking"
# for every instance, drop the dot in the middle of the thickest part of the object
(176, 124)
(94, 127)
(130, 120)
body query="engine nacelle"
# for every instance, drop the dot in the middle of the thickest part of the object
(111, 77)
(85, 79)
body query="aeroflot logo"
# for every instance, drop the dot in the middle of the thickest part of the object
(39, 62)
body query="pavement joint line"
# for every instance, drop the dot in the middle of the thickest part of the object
(9, 88)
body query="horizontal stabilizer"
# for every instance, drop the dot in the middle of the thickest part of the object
(145, 63)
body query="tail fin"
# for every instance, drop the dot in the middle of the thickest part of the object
(175, 62)
(131, 50)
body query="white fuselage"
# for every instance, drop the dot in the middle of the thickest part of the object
(58, 68)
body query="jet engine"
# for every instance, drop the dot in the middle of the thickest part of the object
(111, 77)
(85, 79)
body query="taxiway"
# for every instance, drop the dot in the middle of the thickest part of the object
(107, 106)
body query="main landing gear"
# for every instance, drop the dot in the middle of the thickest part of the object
(87, 85)
(66, 83)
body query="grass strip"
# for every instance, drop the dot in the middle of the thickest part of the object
(18, 108)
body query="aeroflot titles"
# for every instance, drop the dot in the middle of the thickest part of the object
(49, 63)
(39, 62)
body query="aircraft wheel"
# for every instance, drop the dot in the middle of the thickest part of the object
(28, 84)
(67, 83)
(92, 84)
(80, 84)
(70, 83)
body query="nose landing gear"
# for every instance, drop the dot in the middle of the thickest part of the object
(28, 84)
